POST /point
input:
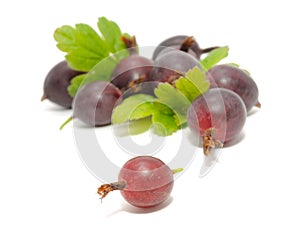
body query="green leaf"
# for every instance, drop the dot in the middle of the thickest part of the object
(87, 38)
(119, 44)
(102, 71)
(143, 110)
(163, 108)
(133, 127)
(173, 98)
(81, 63)
(193, 84)
(168, 110)
(65, 36)
(165, 121)
(141, 106)
(139, 126)
(75, 84)
(163, 124)
(87, 51)
(214, 57)
(85, 48)
(134, 107)
(111, 33)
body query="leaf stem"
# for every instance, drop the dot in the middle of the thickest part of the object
(66, 122)
(206, 50)
(177, 170)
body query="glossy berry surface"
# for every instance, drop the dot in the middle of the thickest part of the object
(56, 84)
(149, 181)
(235, 79)
(172, 65)
(94, 102)
(131, 70)
(219, 110)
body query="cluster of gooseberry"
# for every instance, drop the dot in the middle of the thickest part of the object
(94, 102)
(218, 116)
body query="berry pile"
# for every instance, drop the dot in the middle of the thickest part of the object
(105, 80)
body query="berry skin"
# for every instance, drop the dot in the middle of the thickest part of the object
(149, 181)
(183, 43)
(144, 182)
(131, 70)
(218, 116)
(235, 79)
(173, 64)
(56, 84)
(94, 102)
(178, 42)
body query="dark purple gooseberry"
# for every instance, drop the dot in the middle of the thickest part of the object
(94, 103)
(237, 80)
(131, 70)
(218, 116)
(170, 66)
(56, 84)
(184, 43)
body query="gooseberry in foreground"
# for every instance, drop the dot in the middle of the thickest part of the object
(144, 181)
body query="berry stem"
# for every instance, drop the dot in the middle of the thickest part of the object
(44, 97)
(187, 44)
(177, 170)
(66, 122)
(206, 50)
(130, 44)
(210, 142)
(134, 82)
(258, 105)
(104, 189)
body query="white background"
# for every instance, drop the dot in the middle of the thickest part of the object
(254, 189)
